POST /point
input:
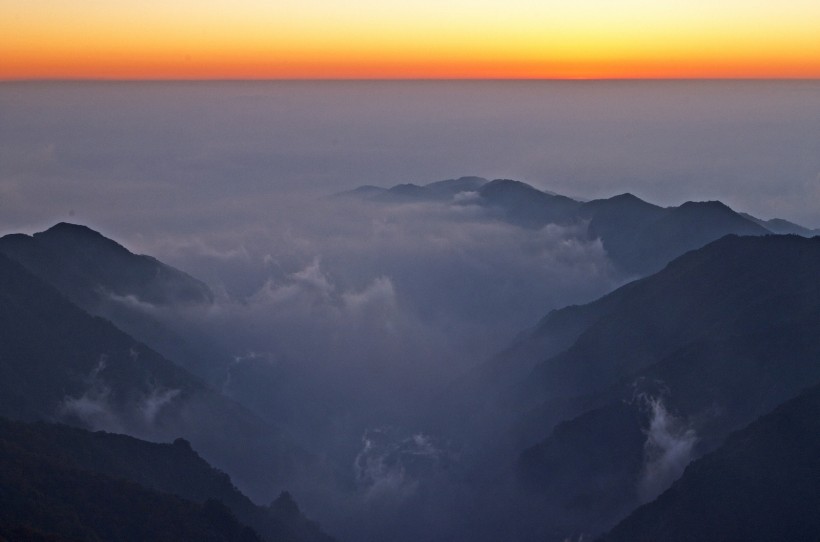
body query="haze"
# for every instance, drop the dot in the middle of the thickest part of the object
(370, 310)
(141, 160)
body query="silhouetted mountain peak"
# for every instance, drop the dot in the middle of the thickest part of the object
(701, 206)
(638, 237)
(508, 186)
(450, 187)
(527, 206)
(621, 208)
(67, 228)
(86, 266)
(705, 213)
(780, 226)
(65, 232)
(628, 197)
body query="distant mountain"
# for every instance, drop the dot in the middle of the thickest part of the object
(640, 238)
(87, 267)
(452, 187)
(524, 205)
(760, 485)
(655, 238)
(719, 337)
(436, 191)
(728, 283)
(106, 279)
(610, 400)
(59, 363)
(104, 462)
(784, 227)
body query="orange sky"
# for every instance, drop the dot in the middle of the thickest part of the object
(250, 39)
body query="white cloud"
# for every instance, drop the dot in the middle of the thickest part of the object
(668, 449)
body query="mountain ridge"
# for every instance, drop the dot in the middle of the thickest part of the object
(638, 236)
(730, 349)
(61, 364)
(172, 469)
(105, 279)
(760, 484)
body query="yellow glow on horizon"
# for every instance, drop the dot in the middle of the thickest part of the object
(394, 39)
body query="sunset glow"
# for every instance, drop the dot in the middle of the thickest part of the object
(255, 39)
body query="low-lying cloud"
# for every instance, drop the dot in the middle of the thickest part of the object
(99, 408)
(668, 449)
(340, 315)
(390, 465)
(382, 301)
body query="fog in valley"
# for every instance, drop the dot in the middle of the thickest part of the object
(349, 323)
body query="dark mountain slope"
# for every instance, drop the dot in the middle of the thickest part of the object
(43, 499)
(168, 468)
(51, 350)
(618, 222)
(105, 279)
(747, 344)
(85, 266)
(735, 281)
(705, 391)
(683, 228)
(480, 404)
(583, 350)
(59, 363)
(782, 227)
(524, 205)
(761, 485)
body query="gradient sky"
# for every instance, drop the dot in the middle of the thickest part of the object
(399, 39)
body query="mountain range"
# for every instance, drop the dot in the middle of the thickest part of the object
(63, 482)
(681, 406)
(639, 237)
(105, 279)
(605, 404)
(60, 364)
(662, 371)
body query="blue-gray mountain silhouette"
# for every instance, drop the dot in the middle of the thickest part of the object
(722, 335)
(106, 279)
(62, 480)
(60, 363)
(639, 237)
(760, 485)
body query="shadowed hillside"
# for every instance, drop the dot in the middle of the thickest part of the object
(148, 473)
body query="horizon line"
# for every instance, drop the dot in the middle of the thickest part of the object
(394, 79)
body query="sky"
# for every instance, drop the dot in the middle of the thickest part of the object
(260, 39)
(194, 158)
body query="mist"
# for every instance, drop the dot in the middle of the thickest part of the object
(668, 448)
(345, 315)
(149, 159)
(341, 320)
